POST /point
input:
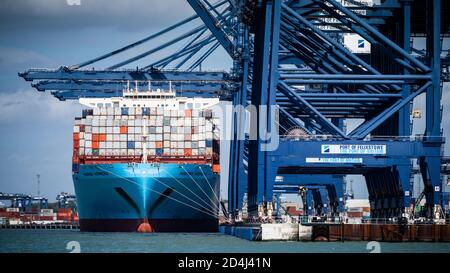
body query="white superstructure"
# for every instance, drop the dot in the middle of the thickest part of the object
(167, 99)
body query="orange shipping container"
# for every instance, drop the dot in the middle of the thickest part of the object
(159, 144)
(102, 137)
(123, 129)
(76, 136)
(76, 143)
(188, 113)
(95, 145)
(187, 152)
(95, 137)
(216, 168)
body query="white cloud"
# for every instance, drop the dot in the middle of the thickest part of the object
(27, 106)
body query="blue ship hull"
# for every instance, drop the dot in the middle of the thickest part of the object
(172, 197)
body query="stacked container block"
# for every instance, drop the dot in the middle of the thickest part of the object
(122, 134)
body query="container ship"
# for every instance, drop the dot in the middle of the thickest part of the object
(147, 161)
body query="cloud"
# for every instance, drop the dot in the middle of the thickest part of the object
(26, 106)
(16, 58)
(132, 15)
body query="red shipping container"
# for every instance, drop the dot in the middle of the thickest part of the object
(187, 152)
(95, 145)
(95, 137)
(76, 143)
(194, 130)
(65, 210)
(82, 128)
(102, 137)
(76, 136)
(123, 129)
(188, 113)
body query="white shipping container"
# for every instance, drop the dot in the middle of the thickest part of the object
(81, 151)
(138, 137)
(109, 130)
(110, 111)
(102, 122)
(116, 145)
(151, 152)
(188, 145)
(102, 130)
(131, 138)
(88, 136)
(180, 152)
(116, 130)
(88, 151)
(117, 111)
(95, 130)
(116, 122)
(109, 145)
(102, 145)
(123, 137)
(138, 130)
(131, 111)
(96, 111)
(123, 151)
(159, 137)
(82, 143)
(173, 145)
(201, 144)
(151, 145)
(116, 137)
(123, 145)
(159, 130)
(138, 145)
(166, 144)
(76, 129)
(209, 136)
(195, 152)
(131, 130)
(151, 137)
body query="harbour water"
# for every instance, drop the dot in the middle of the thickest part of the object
(64, 241)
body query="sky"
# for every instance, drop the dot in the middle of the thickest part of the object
(36, 128)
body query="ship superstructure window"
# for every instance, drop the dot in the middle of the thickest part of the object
(100, 105)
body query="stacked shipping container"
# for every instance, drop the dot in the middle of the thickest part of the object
(105, 135)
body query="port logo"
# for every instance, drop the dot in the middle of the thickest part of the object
(360, 43)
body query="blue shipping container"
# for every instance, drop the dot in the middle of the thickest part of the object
(130, 144)
(124, 111)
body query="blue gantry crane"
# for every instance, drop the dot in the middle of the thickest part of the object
(23, 201)
(301, 85)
